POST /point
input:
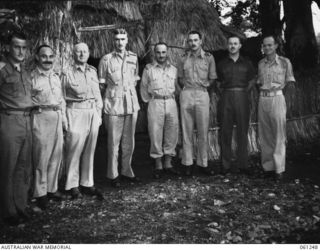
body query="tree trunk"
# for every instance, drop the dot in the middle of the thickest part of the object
(270, 17)
(301, 45)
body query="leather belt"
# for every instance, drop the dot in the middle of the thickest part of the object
(270, 93)
(235, 89)
(163, 97)
(204, 89)
(47, 108)
(24, 112)
(86, 104)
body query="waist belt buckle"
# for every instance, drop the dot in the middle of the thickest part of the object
(266, 94)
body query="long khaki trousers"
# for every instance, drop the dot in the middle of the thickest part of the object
(272, 132)
(163, 126)
(121, 129)
(47, 151)
(194, 115)
(81, 140)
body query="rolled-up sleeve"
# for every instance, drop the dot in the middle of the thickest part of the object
(102, 70)
(212, 68)
(137, 77)
(144, 86)
(180, 67)
(97, 95)
(289, 72)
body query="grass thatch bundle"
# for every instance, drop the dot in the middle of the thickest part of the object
(169, 21)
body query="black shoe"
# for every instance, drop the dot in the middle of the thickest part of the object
(224, 171)
(57, 196)
(75, 193)
(134, 179)
(42, 202)
(115, 182)
(172, 171)
(92, 191)
(12, 220)
(188, 170)
(278, 177)
(24, 215)
(157, 173)
(246, 171)
(268, 174)
(206, 170)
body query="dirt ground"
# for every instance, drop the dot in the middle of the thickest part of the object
(219, 209)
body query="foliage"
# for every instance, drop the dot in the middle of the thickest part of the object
(244, 14)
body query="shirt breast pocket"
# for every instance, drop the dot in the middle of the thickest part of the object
(40, 95)
(203, 70)
(115, 74)
(279, 76)
(77, 88)
(156, 84)
(10, 86)
(94, 81)
(170, 82)
(187, 70)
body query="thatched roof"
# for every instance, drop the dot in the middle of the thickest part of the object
(63, 23)
(126, 9)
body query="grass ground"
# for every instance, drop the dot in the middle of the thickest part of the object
(219, 209)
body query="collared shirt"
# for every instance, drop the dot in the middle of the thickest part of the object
(235, 73)
(158, 81)
(81, 83)
(196, 70)
(15, 87)
(119, 74)
(46, 88)
(275, 74)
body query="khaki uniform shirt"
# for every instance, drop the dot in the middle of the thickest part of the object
(47, 89)
(196, 70)
(158, 81)
(274, 75)
(15, 87)
(81, 84)
(120, 75)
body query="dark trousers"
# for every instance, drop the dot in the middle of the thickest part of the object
(15, 163)
(235, 110)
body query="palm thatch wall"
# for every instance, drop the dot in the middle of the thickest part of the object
(62, 23)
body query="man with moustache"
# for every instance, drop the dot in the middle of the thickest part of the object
(15, 132)
(47, 121)
(84, 105)
(236, 77)
(158, 88)
(196, 74)
(118, 73)
(274, 74)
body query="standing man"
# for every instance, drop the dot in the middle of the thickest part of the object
(47, 121)
(158, 88)
(236, 75)
(15, 132)
(196, 73)
(118, 72)
(274, 73)
(84, 104)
